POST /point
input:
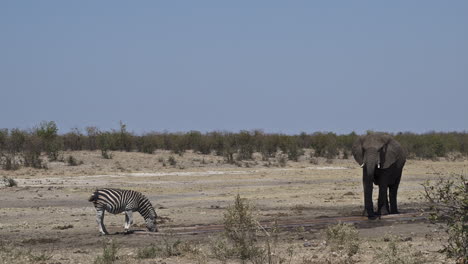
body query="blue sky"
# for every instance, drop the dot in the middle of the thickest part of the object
(280, 66)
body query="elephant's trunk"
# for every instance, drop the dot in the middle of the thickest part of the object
(370, 163)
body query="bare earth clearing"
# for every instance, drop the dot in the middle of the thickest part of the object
(49, 213)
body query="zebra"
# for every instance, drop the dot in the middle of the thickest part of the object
(116, 201)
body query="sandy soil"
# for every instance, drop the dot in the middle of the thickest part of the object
(48, 213)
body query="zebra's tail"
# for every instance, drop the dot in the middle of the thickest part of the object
(93, 197)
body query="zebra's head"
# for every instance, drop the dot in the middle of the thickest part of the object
(151, 224)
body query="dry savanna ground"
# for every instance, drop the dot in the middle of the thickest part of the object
(47, 218)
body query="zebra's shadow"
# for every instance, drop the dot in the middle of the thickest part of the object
(129, 232)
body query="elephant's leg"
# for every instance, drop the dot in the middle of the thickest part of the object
(383, 198)
(387, 205)
(393, 195)
(368, 205)
(393, 199)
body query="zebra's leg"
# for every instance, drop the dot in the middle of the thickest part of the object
(128, 220)
(100, 221)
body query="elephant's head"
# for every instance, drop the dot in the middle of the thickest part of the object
(378, 150)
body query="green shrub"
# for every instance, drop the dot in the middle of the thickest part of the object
(40, 257)
(106, 141)
(240, 229)
(245, 145)
(449, 202)
(71, 161)
(172, 161)
(106, 154)
(146, 144)
(169, 247)
(282, 160)
(149, 252)
(9, 162)
(314, 160)
(91, 140)
(345, 236)
(9, 182)
(32, 152)
(47, 133)
(325, 145)
(73, 140)
(109, 254)
(16, 141)
(124, 138)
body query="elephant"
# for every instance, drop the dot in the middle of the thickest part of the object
(382, 160)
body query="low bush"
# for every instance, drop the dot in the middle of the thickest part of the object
(240, 229)
(449, 201)
(71, 161)
(172, 161)
(242, 237)
(9, 182)
(282, 160)
(149, 252)
(106, 154)
(109, 254)
(9, 162)
(169, 247)
(343, 236)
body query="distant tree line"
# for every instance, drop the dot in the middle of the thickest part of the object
(26, 146)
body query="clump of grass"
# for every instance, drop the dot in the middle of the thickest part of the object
(172, 161)
(109, 254)
(394, 253)
(40, 257)
(72, 161)
(343, 237)
(169, 247)
(9, 182)
(149, 252)
(106, 154)
(282, 160)
(314, 160)
(9, 254)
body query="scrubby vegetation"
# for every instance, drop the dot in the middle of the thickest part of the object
(11, 254)
(25, 147)
(109, 254)
(449, 202)
(343, 237)
(9, 182)
(395, 252)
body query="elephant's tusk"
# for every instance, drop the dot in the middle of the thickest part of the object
(378, 165)
(362, 165)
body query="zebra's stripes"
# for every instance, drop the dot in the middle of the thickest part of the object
(116, 201)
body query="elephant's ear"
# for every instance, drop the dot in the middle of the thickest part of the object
(357, 151)
(394, 153)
